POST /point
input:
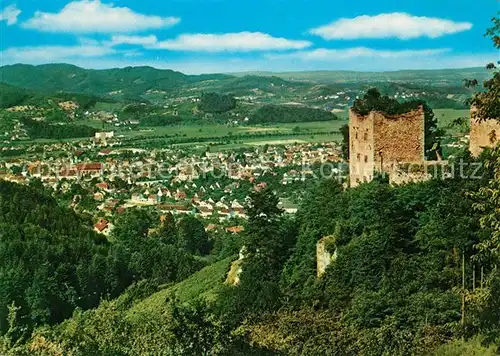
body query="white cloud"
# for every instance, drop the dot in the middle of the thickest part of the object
(87, 41)
(322, 54)
(235, 42)
(10, 14)
(396, 24)
(133, 40)
(45, 54)
(92, 16)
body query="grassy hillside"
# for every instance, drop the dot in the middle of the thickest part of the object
(203, 283)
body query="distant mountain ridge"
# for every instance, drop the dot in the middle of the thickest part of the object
(135, 81)
(129, 81)
(148, 84)
(443, 76)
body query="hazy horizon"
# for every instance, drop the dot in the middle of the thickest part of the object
(224, 37)
(256, 72)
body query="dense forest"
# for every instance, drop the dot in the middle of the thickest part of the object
(394, 287)
(53, 262)
(40, 129)
(269, 114)
(13, 96)
(216, 103)
(160, 120)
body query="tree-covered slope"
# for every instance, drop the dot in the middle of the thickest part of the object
(393, 287)
(53, 262)
(269, 114)
(11, 95)
(68, 78)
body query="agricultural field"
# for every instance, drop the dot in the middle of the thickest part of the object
(447, 116)
(214, 130)
(220, 137)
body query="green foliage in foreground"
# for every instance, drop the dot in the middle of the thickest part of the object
(472, 347)
(269, 114)
(394, 287)
(54, 263)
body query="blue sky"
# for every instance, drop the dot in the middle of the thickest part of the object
(202, 36)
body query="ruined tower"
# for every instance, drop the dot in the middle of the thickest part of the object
(483, 133)
(379, 143)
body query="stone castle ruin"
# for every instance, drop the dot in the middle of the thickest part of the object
(381, 143)
(388, 144)
(483, 133)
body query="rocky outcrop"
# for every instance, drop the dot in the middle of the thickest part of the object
(233, 276)
(324, 257)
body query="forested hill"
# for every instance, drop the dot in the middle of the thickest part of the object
(53, 262)
(440, 89)
(289, 114)
(47, 253)
(132, 82)
(70, 78)
(392, 287)
(11, 95)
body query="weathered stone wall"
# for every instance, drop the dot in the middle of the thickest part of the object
(380, 142)
(401, 176)
(484, 133)
(361, 160)
(399, 139)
